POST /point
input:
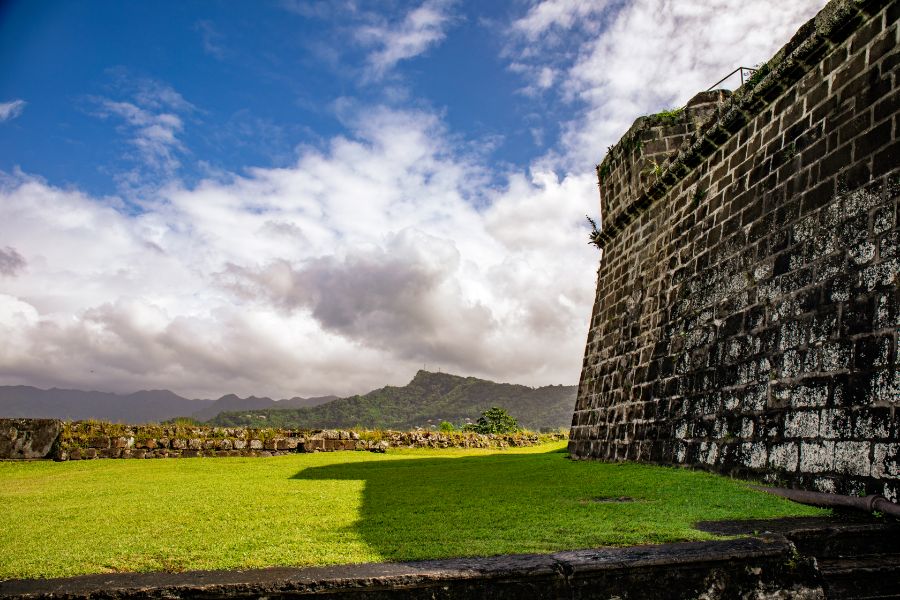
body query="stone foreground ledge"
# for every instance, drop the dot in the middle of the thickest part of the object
(757, 567)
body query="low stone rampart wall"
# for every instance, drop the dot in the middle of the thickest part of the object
(79, 440)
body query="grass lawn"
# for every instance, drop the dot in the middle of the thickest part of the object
(61, 519)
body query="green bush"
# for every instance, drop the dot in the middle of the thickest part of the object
(446, 427)
(496, 420)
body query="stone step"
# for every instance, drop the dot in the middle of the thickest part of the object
(857, 555)
(862, 577)
(848, 540)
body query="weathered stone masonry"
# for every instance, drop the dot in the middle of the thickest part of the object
(81, 440)
(747, 309)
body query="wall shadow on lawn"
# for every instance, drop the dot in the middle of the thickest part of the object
(416, 508)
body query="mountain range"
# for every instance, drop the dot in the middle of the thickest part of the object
(426, 400)
(140, 407)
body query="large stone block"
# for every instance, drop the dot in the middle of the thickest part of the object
(28, 438)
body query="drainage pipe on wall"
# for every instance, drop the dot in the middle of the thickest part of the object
(867, 503)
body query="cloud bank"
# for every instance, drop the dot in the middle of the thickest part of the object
(347, 270)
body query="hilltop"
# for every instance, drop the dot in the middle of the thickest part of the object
(426, 400)
(230, 402)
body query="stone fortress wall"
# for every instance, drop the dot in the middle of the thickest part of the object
(747, 309)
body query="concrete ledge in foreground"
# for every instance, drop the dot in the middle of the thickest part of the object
(759, 567)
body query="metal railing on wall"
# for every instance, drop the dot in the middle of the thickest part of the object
(746, 73)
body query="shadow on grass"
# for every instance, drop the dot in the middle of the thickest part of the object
(416, 508)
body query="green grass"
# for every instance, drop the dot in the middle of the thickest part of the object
(62, 519)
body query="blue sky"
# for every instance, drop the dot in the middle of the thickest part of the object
(306, 197)
(256, 80)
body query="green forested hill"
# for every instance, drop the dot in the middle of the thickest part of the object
(428, 397)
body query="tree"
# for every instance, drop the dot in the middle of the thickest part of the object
(446, 426)
(496, 420)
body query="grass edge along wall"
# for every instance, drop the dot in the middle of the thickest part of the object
(747, 309)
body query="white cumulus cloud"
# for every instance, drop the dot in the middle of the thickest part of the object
(11, 110)
(641, 57)
(151, 119)
(345, 271)
(155, 135)
(548, 15)
(418, 30)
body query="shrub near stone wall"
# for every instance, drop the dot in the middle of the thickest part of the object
(89, 439)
